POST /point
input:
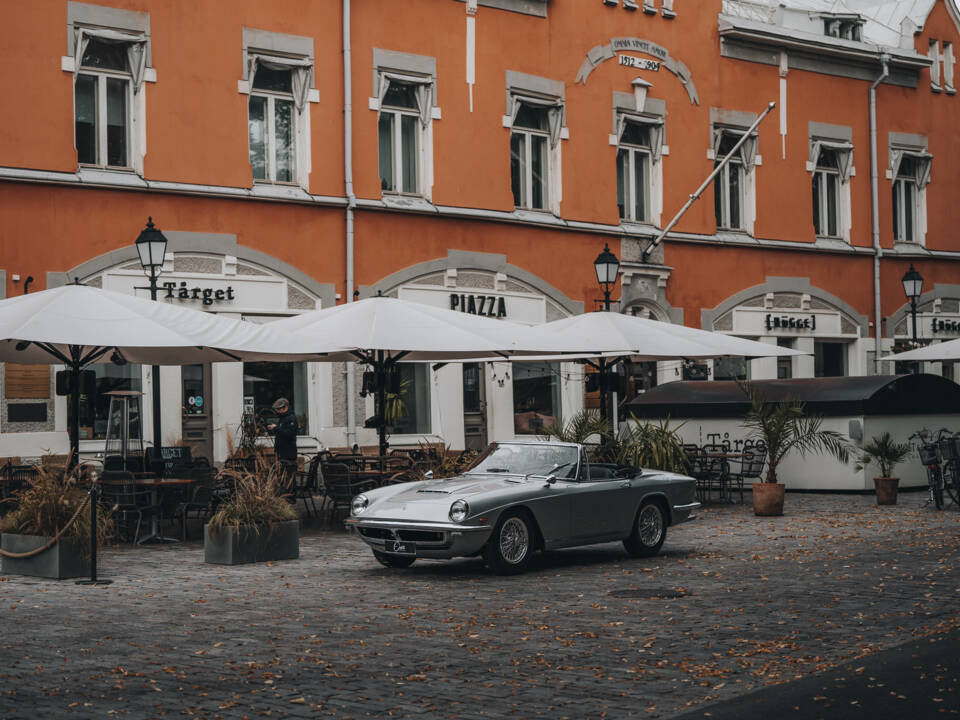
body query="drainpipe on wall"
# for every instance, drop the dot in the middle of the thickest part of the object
(875, 214)
(351, 206)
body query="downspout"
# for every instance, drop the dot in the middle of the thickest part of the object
(351, 206)
(875, 214)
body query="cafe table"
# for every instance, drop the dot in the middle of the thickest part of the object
(155, 485)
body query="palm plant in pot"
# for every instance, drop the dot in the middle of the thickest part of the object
(886, 454)
(253, 522)
(47, 531)
(784, 426)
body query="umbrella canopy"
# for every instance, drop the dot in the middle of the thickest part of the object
(52, 325)
(613, 334)
(411, 331)
(940, 351)
(77, 325)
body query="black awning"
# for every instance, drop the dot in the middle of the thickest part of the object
(874, 395)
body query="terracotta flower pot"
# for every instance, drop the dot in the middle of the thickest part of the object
(768, 499)
(886, 490)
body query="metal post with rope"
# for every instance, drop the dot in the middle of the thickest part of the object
(92, 499)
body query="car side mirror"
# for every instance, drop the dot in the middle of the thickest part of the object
(551, 479)
(428, 474)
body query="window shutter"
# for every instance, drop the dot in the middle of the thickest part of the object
(554, 114)
(895, 157)
(424, 90)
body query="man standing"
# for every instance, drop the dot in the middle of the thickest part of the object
(285, 438)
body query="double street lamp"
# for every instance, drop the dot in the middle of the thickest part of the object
(152, 248)
(607, 267)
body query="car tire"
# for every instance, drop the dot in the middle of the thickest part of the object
(393, 561)
(511, 543)
(649, 531)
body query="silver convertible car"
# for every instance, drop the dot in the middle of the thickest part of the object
(519, 497)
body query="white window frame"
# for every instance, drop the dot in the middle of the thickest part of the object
(101, 76)
(653, 171)
(271, 137)
(556, 131)
(823, 202)
(843, 173)
(424, 88)
(528, 181)
(919, 188)
(746, 161)
(276, 49)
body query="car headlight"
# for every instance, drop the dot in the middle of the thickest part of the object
(359, 504)
(459, 510)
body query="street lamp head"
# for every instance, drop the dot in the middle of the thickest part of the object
(151, 246)
(607, 265)
(912, 283)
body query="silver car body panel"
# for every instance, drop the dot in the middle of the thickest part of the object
(568, 511)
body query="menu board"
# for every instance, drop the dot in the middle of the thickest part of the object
(26, 382)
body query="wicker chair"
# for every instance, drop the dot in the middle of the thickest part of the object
(340, 487)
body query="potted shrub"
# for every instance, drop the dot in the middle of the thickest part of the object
(784, 426)
(254, 523)
(886, 454)
(41, 510)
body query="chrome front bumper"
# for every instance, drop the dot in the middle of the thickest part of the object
(432, 540)
(683, 513)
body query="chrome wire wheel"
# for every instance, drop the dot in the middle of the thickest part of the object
(650, 525)
(514, 540)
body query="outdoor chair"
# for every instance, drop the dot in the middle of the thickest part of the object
(130, 506)
(714, 472)
(202, 503)
(749, 468)
(340, 487)
(305, 486)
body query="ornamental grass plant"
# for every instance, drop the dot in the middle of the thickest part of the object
(639, 444)
(48, 503)
(257, 498)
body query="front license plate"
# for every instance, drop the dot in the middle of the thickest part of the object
(399, 547)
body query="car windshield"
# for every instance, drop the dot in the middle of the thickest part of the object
(528, 459)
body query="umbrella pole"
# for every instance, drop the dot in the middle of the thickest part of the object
(75, 408)
(382, 402)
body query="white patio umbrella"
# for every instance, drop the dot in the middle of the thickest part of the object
(931, 353)
(78, 325)
(615, 334)
(382, 331)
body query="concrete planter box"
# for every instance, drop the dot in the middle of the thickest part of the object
(250, 544)
(63, 560)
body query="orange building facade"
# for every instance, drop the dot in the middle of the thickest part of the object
(485, 154)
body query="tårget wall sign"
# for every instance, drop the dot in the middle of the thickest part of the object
(205, 295)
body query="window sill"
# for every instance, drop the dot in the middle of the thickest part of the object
(110, 176)
(285, 191)
(634, 226)
(407, 202)
(831, 242)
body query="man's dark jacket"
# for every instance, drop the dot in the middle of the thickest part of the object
(285, 437)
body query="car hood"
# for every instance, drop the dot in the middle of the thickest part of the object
(431, 499)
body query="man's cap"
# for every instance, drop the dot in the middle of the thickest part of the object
(280, 403)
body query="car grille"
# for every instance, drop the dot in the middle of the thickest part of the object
(411, 535)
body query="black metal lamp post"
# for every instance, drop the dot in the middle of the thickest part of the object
(607, 267)
(912, 287)
(152, 248)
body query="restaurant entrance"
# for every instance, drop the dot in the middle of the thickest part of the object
(474, 406)
(197, 424)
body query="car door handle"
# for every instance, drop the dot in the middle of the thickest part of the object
(625, 484)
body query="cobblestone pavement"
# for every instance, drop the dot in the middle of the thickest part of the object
(733, 603)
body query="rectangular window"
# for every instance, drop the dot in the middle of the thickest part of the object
(264, 382)
(529, 161)
(272, 125)
(102, 96)
(829, 359)
(633, 168)
(826, 194)
(399, 138)
(905, 201)
(536, 397)
(95, 409)
(728, 187)
(408, 412)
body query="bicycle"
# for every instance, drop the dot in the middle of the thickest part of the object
(929, 451)
(950, 452)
